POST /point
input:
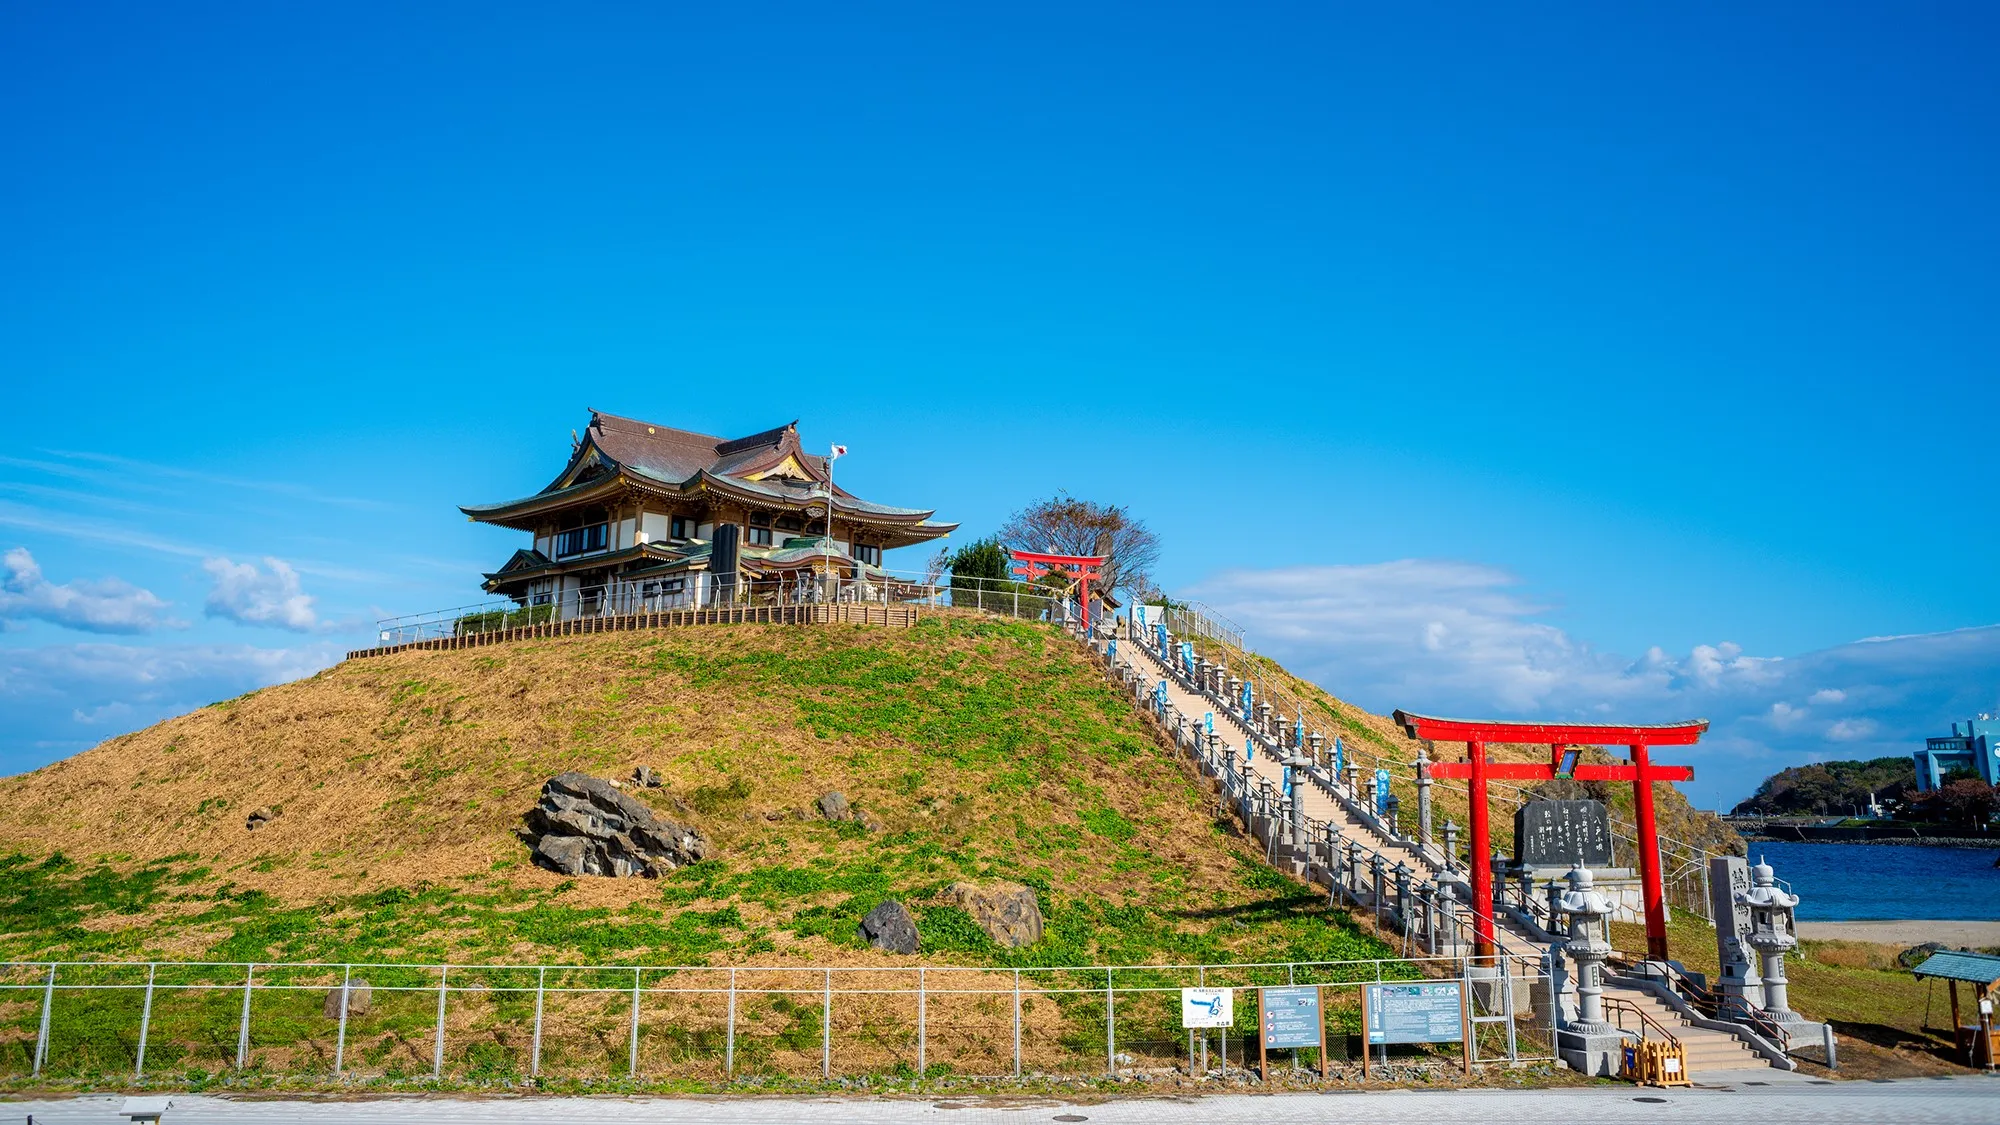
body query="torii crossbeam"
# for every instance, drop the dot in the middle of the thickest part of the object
(1641, 772)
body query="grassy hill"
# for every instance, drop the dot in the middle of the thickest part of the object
(985, 749)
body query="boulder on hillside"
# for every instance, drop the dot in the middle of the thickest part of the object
(359, 998)
(1008, 912)
(258, 818)
(646, 777)
(586, 826)
(890, 928)
(834, 806)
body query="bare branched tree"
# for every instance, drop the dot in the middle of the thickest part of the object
(1064, 525)
(936, 565)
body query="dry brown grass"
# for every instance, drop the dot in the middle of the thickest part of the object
(989, 749)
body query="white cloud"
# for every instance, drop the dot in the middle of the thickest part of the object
(250, 596)
(63, 698)
(1456, 638)
(107, 606)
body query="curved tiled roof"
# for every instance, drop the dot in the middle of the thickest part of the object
(657, 455)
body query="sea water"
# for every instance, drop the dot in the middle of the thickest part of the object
(1867, 882)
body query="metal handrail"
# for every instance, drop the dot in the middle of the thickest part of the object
(1711, 1004)
(1646, 1021)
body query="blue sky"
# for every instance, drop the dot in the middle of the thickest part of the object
(1575, 360)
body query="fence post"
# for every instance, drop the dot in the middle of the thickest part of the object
(826, 1029)
(243, 1027)
(921, 1044)
(145, 1022)
(632, 1050)
(1017, 1023)
(437, 1042)
(48, 1002)
(1110, 1027)
(340, 1037)
(729, 1043)
(535, 1052)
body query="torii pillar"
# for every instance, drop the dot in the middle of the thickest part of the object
(1559, 737)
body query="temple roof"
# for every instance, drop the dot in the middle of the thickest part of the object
(770, 467)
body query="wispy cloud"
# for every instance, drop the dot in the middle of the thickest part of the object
(288, 489)
(63, 698)
(1454, 637)
(109, 605)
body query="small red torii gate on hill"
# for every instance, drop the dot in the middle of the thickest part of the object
(1641, 772)
(1031, 565)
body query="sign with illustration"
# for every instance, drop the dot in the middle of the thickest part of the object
(1291, 1017)
(1207, 1007)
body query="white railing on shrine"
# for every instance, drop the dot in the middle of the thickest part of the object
(695, 591)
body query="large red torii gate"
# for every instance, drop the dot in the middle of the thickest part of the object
(1641, 772)
(1031, 565)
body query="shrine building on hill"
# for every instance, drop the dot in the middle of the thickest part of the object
(647, 516)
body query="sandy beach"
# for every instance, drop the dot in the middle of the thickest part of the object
(1906, 932)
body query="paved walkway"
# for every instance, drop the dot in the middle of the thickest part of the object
(1948, 1101)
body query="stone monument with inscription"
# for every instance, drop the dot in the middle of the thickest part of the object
(1562, 834)
(1737, 986)
(1553, 836)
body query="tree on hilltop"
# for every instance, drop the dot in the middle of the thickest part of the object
(1064, 525)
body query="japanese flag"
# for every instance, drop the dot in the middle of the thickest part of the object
(838, 451)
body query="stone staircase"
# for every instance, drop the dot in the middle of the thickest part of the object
(1325, 800)
(1706, 1048)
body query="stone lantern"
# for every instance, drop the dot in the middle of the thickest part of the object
(1450, 845)
(1588, 1043)
(1317, 742)
(1294, 777)
(1773, 933)
(1392, 805)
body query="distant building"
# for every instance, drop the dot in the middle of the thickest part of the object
(1973, 745)
(645, 516)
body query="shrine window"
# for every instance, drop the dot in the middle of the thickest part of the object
(868, 553)
(681, 527)
(581, 540)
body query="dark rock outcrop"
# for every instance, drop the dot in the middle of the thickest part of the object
(890, 928)
(262, 815)
(586, 826)
(1008, 912)
(645, 777)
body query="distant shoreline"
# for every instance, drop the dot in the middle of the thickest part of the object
(1906, 932)
(1989, 843)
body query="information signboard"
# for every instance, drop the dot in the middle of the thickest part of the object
(1207, 1007)
(1416, 1012)
(1291, 1017)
